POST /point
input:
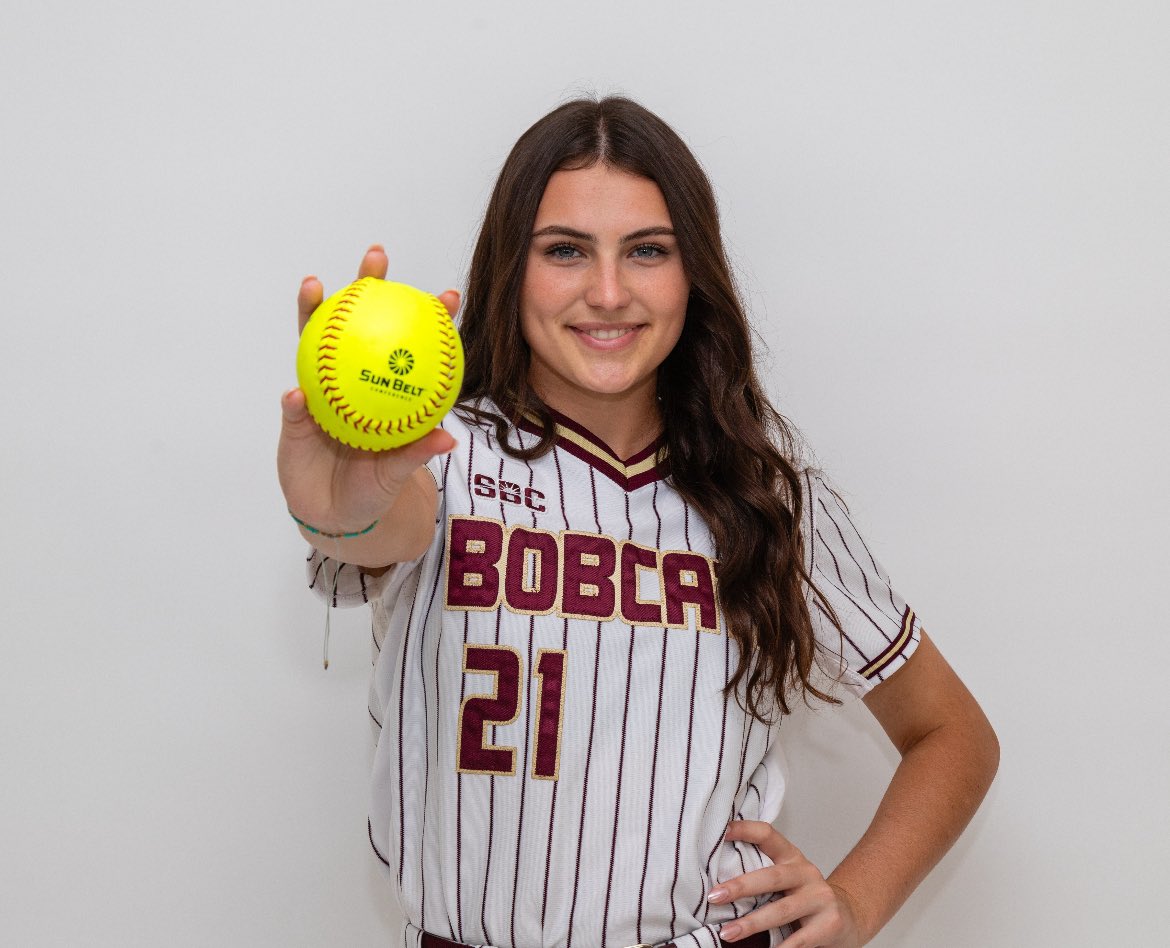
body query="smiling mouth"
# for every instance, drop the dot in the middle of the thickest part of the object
(606, 334)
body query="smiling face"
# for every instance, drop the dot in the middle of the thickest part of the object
(604, 294)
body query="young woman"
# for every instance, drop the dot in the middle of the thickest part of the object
(600, 584)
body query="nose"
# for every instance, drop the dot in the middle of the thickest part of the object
(607, 288)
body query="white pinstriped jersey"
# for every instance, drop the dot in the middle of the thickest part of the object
(557, 761)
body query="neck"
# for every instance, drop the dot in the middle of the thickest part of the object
(625, 422)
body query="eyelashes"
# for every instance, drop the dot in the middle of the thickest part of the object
(562, 251)
(647, 251)
(655, 250)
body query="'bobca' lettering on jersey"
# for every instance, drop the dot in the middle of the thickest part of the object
(576, 575)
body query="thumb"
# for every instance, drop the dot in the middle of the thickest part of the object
(296, 424)
(434, 442)
(292, 406)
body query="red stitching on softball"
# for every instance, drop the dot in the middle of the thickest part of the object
(333, 331)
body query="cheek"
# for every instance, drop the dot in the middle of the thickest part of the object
(532, 298)
(680, 300)
(547, 288)
(544, 294)
(535, 328)
(528, 327)
(670, 287)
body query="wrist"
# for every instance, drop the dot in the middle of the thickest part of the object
(849, 909)
(331, 532)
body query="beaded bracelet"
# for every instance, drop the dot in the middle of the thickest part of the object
(334, 536)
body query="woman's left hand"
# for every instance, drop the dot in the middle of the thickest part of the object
(824, 913)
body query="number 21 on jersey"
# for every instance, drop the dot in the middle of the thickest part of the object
(478, 712)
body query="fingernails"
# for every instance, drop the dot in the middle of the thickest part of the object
(308, 279)
(286, 406)
(376, 248)
(717, 895)
(729, 932)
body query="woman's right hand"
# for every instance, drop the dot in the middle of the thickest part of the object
(339, 489)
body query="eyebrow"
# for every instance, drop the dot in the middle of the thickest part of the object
(558, 230)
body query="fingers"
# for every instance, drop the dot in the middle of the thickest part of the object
(311, 293)
(396, 467)
(764, 835)
(758, 882)
(801, 896)
(374, 263)
(434, 442)
(450, 299)
(815, 907)
(297, 420)
(296, 423)
(309, 297)
(776, 914)
(797, 889)
(292, 405)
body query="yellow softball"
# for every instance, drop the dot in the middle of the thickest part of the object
(380, 364)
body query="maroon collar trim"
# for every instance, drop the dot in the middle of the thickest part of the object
(638, 470)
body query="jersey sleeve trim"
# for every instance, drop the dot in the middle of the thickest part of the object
(897, 647)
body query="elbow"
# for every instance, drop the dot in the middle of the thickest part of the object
(980, 753)
(990, 753)
(969, 747)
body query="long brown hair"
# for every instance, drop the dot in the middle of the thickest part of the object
(731, 454)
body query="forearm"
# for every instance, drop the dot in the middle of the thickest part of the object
(935, 791)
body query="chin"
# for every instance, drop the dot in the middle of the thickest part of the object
(609, 387)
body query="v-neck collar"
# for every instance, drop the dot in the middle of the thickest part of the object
(643, 467)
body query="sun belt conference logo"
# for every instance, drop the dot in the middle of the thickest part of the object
(401, 362)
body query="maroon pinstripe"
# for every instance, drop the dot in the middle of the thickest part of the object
(864, 577)
(564, 645)
(589, 747)
(487, 871)
(462, 695)
(617, 806)
(749, 722)
(426, 724)
(527, 739)
(401, 715)
(865, 546)
(657, 728)
(683, 804)
(704, 905)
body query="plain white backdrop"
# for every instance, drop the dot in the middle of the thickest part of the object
(952, 224)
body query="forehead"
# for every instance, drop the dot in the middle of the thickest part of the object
(601, 198)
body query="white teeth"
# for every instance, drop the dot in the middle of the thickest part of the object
(606, 333)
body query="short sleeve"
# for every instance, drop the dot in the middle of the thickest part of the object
(878, 630)
(342, 584)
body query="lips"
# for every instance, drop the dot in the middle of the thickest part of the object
(605, 333)
(606, 336)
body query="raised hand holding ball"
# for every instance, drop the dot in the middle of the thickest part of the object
(380, 364)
